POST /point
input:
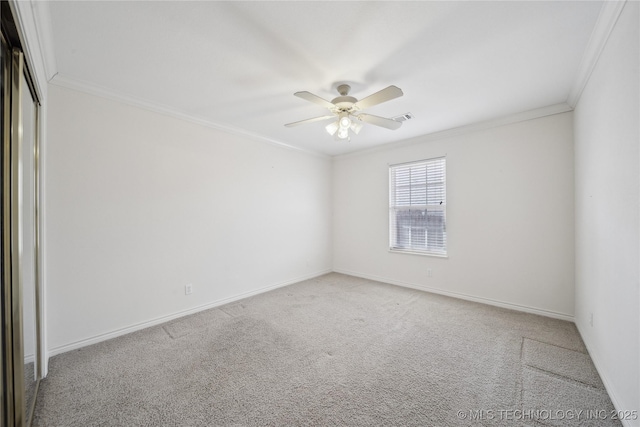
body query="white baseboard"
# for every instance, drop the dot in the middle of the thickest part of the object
(606, 381)
(459, 295)
(158, 320)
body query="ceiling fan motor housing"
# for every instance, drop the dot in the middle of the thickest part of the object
(344, 102)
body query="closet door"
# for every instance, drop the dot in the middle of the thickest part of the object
(13, 149)
(5, 310)
(28, 230)
(19, 296)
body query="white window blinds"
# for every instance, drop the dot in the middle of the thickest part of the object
(417, 207)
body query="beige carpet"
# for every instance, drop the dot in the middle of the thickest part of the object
(335, 350)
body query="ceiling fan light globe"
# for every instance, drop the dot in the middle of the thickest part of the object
(345, 121)
(332, 128)
(355, 127)
(343, 133)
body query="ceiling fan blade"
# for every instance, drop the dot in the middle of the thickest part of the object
(315, 119)
(315, 99)
(379, 121)
(379, 97)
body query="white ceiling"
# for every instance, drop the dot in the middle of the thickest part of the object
(237, 64)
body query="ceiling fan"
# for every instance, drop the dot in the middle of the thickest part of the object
(346, 109)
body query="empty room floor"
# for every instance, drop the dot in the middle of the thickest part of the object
(334, 350)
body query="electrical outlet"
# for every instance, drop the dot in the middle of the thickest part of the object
(188, 289)
(591, 320)
(429, 273)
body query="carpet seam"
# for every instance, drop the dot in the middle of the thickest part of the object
(222, 310)
(562, 377)
(167, 332)
(554, 345)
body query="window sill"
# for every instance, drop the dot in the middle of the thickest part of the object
(410, 252)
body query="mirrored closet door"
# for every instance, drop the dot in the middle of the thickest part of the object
(20, 232)
(28, 268)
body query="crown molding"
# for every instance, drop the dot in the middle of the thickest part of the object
(34, 25)
(102, 92)
(42, 17)
(537, 113)
(605, 24)
(93, 89)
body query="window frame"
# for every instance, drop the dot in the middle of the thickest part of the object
(391, 216)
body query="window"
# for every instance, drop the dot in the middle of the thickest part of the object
(418, 207)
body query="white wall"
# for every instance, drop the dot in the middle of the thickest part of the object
(140, 204)
(607, 213)
(509, 216)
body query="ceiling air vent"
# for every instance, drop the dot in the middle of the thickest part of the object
(403, 117)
